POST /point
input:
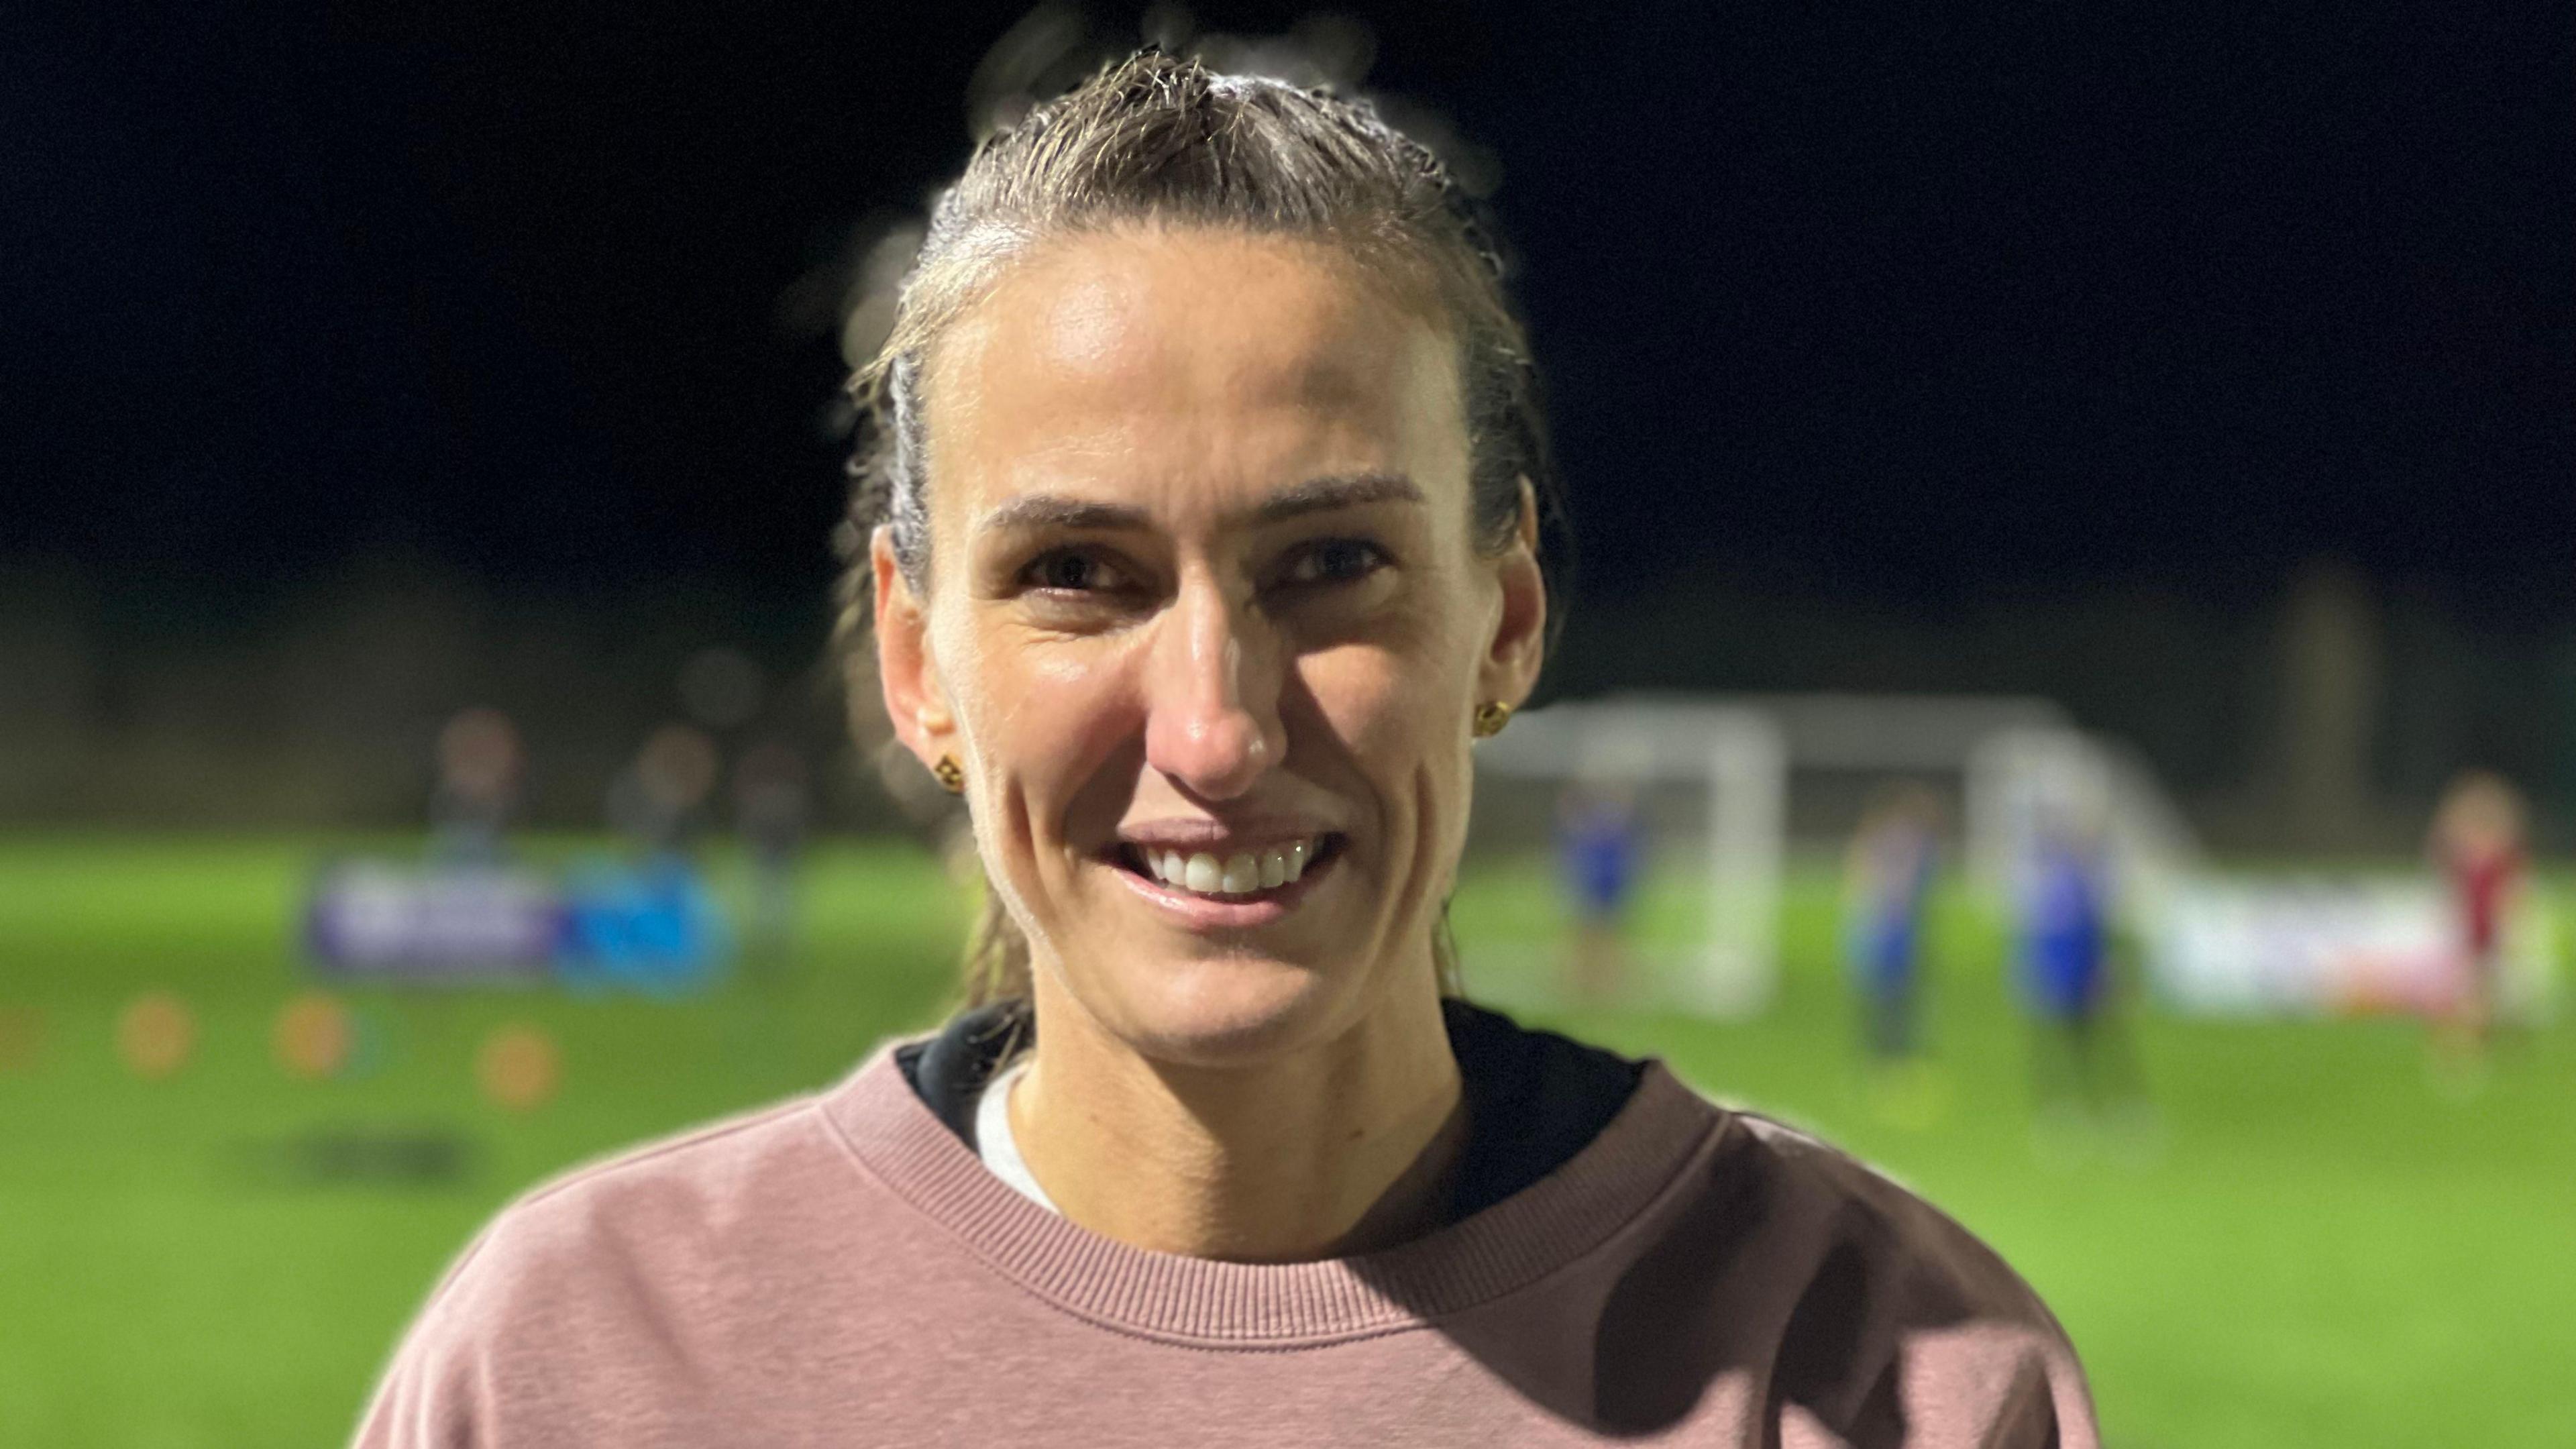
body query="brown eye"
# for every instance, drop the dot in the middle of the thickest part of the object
(1336, 560)
(1073, 573)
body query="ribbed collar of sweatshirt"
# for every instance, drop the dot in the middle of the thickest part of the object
(1546, 1227)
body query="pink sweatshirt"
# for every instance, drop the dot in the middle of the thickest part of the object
(842, 1270)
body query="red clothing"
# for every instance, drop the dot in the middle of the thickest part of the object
(2481, 883)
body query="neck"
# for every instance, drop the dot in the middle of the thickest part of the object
(1337, 1148)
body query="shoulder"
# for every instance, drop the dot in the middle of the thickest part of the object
(675, 1199)
(1862, 1304)
(595, 1287)
(1863, 1220)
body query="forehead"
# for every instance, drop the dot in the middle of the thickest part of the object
(1194, 365)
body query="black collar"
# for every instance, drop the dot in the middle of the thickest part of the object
(1534, 1098)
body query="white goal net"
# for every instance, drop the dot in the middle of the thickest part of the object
(1722, 793)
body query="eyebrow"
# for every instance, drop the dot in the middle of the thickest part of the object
(1315, 495)
(1322, 495)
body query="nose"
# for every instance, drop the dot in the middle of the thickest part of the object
(1213, 720)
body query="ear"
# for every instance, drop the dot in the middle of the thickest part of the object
(915, 699)
(1519, 643)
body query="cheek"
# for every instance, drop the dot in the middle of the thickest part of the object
(1407, 679)
(1047, 721)
(1398, 713)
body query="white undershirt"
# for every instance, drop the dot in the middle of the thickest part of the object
(994, 1142)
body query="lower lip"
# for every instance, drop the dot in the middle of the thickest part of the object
(1208, 913)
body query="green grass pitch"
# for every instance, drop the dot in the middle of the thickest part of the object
(2319, 1249)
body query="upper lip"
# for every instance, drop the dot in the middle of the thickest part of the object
(1221, 836)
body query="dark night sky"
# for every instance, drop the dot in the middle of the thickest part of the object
(1903, 303)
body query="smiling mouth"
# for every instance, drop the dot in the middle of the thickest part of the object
(1234, 876)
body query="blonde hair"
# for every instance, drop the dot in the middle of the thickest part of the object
(1157, 139)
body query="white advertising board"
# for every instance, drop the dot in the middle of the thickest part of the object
(2334, 944)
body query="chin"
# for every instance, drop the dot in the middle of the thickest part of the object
(1232, 1010)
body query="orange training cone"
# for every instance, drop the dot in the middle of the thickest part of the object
(519, 1068)
(155, 1035)
(22, 1037)
(314, 1037)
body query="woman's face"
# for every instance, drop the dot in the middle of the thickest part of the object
(1207, 626)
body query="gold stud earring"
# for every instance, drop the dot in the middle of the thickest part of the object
(950, 775)
(1491, 716)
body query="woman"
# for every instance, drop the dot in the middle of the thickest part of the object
(1202, 536)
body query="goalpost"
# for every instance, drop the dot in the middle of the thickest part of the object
(1723, 785)
(1720, 782)
(1737, 758)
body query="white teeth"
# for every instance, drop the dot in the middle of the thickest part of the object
(1242, 875)
(1202, 873)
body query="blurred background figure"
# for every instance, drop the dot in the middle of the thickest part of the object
(652, 923)
(1599, 850)
(2083, 1069)
(2477, 845)
(1887, 882)
(480, 763)
(772, 808)
(660, 803)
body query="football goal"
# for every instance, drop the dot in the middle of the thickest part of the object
(1697, 807)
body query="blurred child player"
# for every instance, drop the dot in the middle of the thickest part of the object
(2083, 1070)
(2477, 845)
(1887, 880)
(1597, 857)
